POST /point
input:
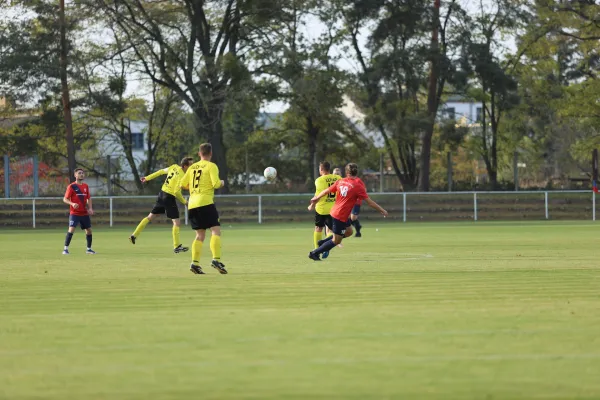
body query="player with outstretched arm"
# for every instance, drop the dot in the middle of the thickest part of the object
(349, 190)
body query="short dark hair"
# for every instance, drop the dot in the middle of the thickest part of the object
(205, 149)
(325, 165)
(186, 162)
(78, 169)
(352, 169)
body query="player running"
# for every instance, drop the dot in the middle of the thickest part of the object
(78, 198)
(166, 201)
(323, 206)
(202, 178)
(348, 190)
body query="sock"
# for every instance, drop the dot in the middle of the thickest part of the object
(89, 241)
(316, 237)
(176, 238)
(320, 242)
(196, 251)
(358, 226)
(328, 245)
(68, 239)
(215, 246)
(141, 227)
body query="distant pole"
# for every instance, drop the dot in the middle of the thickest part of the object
(108, 173)
(36, 176)
(516, 170)
(247, 172)
(381, 173)
(449, 160)
(6, 176)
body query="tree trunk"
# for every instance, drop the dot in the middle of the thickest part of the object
(211, 127)
(432, 103)
(65, 93)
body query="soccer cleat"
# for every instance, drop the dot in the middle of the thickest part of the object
(66, 252)
(90, 251)
(132, 239)
(180, 249)
(325, 254)
(314, 257)
(358, 234)
(218, 265)
(196, 269)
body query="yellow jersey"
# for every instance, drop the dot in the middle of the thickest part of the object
(325, 203)
(202, 178)
(171, 185)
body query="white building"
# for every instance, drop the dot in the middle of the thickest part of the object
(464, 111)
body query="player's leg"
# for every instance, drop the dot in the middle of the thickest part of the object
(173, 214)
(355, 221)
(86, 225)
(177, 246)
(212, 217)
(197, 251)
(138, 230)
(318, 232)
(339, 229)
(72, 224)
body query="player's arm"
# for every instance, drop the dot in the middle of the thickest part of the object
(184, 183)
(154, 174)
(325, 192)
(179, 196)
(89, 206)
(67, 198)
(214, 178)
(376, 206)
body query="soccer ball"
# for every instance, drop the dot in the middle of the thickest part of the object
(270, 173)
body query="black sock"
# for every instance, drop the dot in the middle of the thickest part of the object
(328, 245)
(320, 242)
(89, 241)
(68, 239)
(358, 226)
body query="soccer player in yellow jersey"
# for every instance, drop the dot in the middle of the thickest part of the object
(165, 203)
(323, 206)
(201, 179)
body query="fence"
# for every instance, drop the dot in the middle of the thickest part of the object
(273, 208)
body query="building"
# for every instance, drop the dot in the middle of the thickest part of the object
(465, 111)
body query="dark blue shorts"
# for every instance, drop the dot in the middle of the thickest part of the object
(356, 209)
(339, 227)
(84, 221)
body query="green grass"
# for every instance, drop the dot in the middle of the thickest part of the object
(471, 310)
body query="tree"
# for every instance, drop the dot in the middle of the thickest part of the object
(197, 48)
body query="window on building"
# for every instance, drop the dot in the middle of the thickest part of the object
(479, 116)
(137, 140)
(451, 112)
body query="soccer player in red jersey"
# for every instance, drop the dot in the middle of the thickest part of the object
(78, 198)
(349, 190)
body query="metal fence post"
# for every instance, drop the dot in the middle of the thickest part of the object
(110, 207)
(475, 206)
(546, 203)
(260, 209)
(36, 176)
(33, 209)
(404, 207)
(593, 206)
(6, 176)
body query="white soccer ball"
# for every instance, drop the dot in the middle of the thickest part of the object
(270, 173)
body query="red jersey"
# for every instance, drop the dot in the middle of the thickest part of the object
(349, 191)
(78, 193)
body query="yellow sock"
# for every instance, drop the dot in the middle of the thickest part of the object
(215, 246)
(196, 251)
(176, 238)
(141, 227)
(316, 237)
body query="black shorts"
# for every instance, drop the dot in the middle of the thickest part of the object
(166, 203)
(356, 209)
(322, 220)
(82, 220)
(204, 217)
(339, 227)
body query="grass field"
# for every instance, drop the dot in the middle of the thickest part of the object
(413, 311)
